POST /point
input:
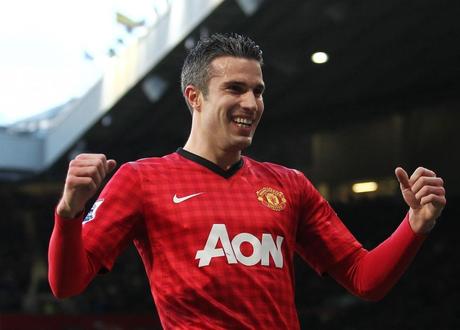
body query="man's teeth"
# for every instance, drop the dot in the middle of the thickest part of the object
(243, 122)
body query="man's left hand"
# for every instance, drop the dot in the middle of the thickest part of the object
(425, 194)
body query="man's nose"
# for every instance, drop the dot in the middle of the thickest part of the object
(249, 101)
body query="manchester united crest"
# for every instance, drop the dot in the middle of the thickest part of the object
(271, 198)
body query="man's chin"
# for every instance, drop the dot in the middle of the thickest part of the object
(242, 143)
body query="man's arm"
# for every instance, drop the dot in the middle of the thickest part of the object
(371, 274)
(71, 268)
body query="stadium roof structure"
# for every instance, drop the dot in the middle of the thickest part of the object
(31, 145)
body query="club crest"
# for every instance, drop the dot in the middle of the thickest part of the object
(271, 198)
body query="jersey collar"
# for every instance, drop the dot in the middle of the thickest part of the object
(210, 165)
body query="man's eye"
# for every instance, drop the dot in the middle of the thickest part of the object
(258, 92)
(235, 88)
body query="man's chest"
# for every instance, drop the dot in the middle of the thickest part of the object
(246, 220)
(252, 205)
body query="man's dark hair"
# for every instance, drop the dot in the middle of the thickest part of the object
(196, 69)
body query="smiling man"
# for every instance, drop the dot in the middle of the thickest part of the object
(217, 231)
(225, 98)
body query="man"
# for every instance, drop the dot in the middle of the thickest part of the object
(217, 231)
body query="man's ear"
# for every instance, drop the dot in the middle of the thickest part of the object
(193, 97)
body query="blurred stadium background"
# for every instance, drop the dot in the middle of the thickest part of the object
(354, 89)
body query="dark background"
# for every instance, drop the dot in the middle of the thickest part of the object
(389, 96)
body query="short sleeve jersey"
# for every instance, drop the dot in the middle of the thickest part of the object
(217, 246)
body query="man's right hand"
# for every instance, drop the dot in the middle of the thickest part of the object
(85, 175)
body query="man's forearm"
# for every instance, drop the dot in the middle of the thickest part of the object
(371, 274)
(70, 266)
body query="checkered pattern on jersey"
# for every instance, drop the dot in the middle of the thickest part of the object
(169, 206)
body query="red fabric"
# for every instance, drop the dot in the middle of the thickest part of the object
(244, 285)
(71, 268)
(371, 274)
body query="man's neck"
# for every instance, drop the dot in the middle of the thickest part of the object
(222, 158)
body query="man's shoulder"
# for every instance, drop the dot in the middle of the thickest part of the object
(270, 167)
(155, 160)
(153, 163)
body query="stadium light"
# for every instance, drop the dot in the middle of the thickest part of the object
(154, 87)
(364, 187)
(249, 7)
(319, 57)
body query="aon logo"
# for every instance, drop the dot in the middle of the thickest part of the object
(262, 250)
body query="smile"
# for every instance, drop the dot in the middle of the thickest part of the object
(243, 122)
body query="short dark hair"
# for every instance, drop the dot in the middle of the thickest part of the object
(196, 69)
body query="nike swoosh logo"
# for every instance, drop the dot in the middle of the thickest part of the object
(178, 200)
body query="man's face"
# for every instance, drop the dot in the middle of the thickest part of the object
(233, 105)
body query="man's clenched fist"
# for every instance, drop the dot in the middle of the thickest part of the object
(85, 175)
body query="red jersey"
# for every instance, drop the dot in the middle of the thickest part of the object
(218, 246)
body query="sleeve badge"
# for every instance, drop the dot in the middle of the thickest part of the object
(92, 213)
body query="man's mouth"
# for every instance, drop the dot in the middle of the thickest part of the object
(242, 122)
